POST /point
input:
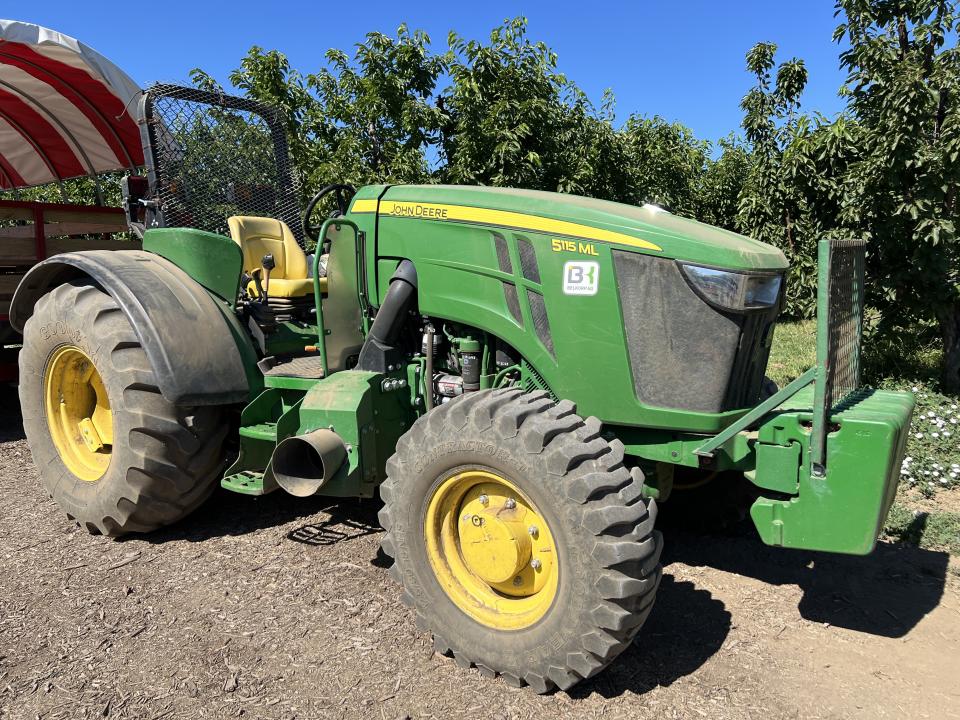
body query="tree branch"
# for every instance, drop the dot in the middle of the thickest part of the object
(902, 36)
(941, 112)
(935, 31)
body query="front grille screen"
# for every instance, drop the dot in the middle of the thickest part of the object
(683, 352)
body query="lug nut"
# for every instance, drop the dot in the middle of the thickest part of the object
(535, 564)
(518, 581)
(533, 531)
(484, 500)
(510, 504)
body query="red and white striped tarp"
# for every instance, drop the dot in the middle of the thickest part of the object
(65, 110)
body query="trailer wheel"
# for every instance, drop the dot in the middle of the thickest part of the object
(111, 451)
(520, 538)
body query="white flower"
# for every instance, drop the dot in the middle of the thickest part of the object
(953, 420)
(904, 471)
(953, 473)
(929, 413)
(946, 433)
(926, 472)
(934, 435)
(918, 436)
(943, 481)
(915, 389)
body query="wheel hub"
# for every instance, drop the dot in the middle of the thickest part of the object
(78, 413)
(494, 542)
(491, 549)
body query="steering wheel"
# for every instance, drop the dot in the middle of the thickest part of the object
(341, 193)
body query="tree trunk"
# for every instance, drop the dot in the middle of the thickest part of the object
(949, 319)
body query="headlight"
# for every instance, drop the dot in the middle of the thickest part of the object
(733, 290)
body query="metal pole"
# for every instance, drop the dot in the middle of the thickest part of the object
(821, 413)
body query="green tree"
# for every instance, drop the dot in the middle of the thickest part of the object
(367, 117)
(900, 188)
(666, 164)
(770, 208)
(721, 184)
(510, 113)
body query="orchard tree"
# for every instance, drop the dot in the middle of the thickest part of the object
(900, 191)
(367, 117)
(770, 209)
(666, 164)
(510, 112)
(721, 184)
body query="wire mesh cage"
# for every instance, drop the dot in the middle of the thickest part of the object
(844, 321)
(840, 296)
(213, 155)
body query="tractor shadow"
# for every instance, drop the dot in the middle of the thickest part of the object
(686, 627)
(228, 514)
(11, 421)
(886, 593)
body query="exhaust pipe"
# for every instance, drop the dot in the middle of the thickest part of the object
(305, 463)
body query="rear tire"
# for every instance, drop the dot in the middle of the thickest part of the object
(607, 552)
(163, 460)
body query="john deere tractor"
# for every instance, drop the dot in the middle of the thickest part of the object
(519, 375)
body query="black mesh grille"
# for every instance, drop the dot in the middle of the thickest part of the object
(513, 302)
(684, 353)
(212, 156)
(503, 254)
(528, 260)
(845, 322)
(538, 312)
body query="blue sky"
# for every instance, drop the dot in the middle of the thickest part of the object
(683, 61)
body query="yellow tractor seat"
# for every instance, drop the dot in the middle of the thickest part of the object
(259, 236)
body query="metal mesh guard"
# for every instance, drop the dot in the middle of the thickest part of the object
(216, 155)
(845, 294)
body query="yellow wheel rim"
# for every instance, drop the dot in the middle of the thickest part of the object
(78, 413)
(491, 550)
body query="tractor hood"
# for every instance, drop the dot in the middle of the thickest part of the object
(646, 229)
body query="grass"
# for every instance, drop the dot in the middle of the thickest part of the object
(927, 509)
(794, 350)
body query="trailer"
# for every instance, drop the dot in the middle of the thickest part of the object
(68, 134)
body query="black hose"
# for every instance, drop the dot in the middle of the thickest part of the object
(428, 371)
(378, 351)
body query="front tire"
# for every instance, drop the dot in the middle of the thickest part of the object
(485, 485)
(111, 451)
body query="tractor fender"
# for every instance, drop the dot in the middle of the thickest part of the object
(190, 340)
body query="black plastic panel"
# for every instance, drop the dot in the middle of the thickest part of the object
(513, 302)
(538, 312)
(503, 254)
(528, 260)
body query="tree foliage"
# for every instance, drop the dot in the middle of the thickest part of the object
(499, 111)
(496, 112)
(886, 169)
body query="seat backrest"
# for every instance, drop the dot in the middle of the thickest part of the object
(259, 236)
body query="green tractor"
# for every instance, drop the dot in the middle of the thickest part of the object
(519, 375)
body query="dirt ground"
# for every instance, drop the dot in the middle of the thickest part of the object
(282, 608)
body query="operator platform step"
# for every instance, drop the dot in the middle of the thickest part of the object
(307, 366)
